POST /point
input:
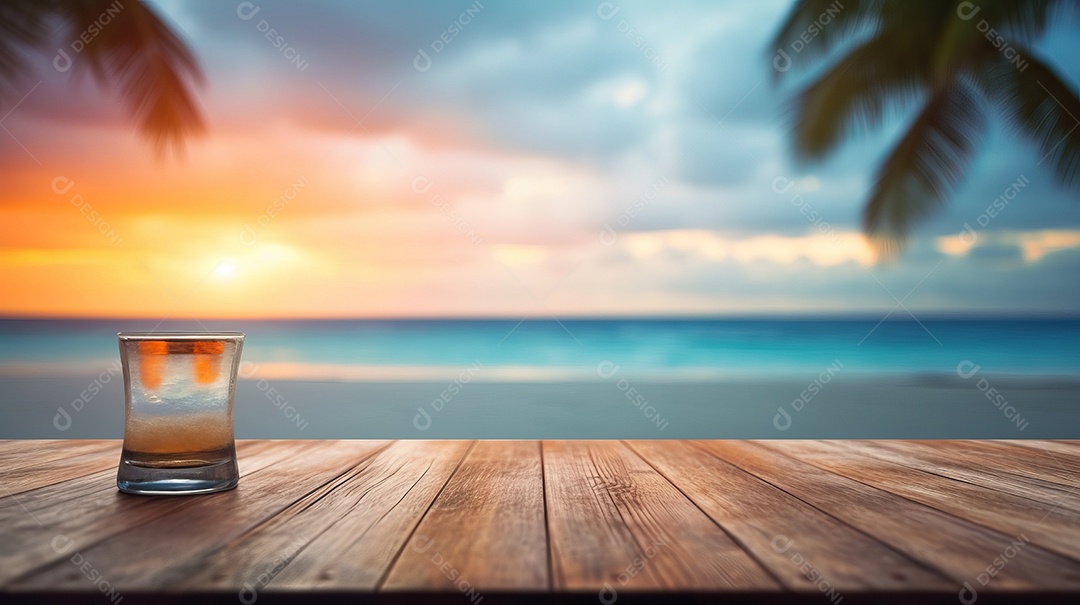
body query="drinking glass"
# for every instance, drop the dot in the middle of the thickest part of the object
(178, 427)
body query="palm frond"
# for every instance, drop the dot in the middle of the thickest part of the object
(856, 93)
(152, 67)
(963, 41)
(22, 27)
(826, 24)
(924, 166)
(1021, 22)
(1040, 105)
(960, 44)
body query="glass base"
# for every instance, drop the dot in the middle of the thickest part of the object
(176, 476)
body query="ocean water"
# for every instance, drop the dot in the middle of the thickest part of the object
(539, 350)
(603, 379)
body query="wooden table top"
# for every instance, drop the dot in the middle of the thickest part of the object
(573, 521)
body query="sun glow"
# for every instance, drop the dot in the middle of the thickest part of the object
(225, 269)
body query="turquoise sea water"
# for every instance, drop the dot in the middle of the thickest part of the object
(575, 349)
(616, 378)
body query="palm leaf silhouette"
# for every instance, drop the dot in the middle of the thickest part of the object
(923, 167)
(933, 57)
(22, 27)
(133, 52)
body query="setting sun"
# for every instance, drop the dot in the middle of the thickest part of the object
(225, 269)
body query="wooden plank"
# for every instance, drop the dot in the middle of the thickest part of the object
(1043, 523)
(616, 524)
(55, 495)
(1065, 455)
(88, 510)
(996, 467)
(154, 555)
(590, 543)
(805, 548)
(960, 549)
(341, 536)
(356, 553)
(40, 452)
(19, 447)
(33, 476)
(1059, 454)
(16, 508)
(486, 529)
(1022, 458)
(59, 463)
(342, 516)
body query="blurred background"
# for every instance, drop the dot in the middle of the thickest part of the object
(568, 219)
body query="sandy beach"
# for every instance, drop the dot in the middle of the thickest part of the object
(925, 407)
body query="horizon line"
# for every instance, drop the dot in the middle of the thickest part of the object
(883, 315)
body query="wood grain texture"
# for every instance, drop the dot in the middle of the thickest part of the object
(25, 473)
(36, 453)
(1021, 472)
(486, 530)
(595, 518)
(42, 526)
(397, 489)
(783, 532)
(615, 522)
(356, 510)
(959, 549)
(1044, 523)
(159, 552)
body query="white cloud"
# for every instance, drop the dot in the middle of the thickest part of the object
(1033, 245)
(822, 249)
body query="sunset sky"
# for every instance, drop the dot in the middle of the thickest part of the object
(541, 162)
